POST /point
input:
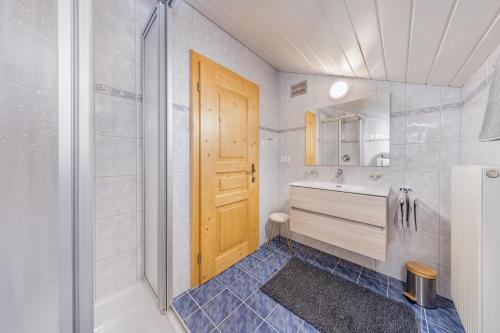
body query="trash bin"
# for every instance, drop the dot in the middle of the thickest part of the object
(421, 284)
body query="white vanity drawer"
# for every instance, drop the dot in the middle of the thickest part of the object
(351, 206)
(365, 239)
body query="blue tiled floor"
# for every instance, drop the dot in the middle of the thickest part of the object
(232, 301)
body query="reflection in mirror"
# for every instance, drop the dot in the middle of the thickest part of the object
(354, 133)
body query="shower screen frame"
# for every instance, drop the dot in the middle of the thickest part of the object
(161, 15)
(76, 165)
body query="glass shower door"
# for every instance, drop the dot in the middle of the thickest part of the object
(151, 148)
(154, 107)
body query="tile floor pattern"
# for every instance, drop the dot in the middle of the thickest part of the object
(232, 302)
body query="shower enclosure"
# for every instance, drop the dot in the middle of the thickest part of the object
(131, 308)
(48, 137)
(157, 133)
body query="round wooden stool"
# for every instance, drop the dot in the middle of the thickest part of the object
(277, 220)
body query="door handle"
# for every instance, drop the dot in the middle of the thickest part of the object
(252, 172)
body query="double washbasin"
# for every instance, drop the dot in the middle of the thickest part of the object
(379, 191)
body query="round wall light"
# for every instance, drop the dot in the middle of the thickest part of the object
(338, 90)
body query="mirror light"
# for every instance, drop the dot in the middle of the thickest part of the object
(338, 90)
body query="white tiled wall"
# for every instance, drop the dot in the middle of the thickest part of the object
(475, 93)
(191, 30)
(118, 144)
(425, 127)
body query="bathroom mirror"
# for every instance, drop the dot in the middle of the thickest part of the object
(353, 133)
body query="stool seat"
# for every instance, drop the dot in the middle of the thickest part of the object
(279, 217)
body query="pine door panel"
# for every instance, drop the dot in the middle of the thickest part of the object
(228, 152)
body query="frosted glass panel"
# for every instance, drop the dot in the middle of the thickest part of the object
(151, 151)
(29, 290)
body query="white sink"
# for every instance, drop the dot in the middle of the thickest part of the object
(382, 191)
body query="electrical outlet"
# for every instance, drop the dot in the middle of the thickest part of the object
(285, 159)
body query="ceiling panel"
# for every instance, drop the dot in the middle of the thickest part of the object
(339, 22)
(489, 43)
(418, 41)
(469, 23)
(429, 24)
(302, 21)
(395, 21)
(364, 18)
(224, 18)
(287, 31)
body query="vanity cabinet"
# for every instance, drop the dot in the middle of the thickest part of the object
(353, 221)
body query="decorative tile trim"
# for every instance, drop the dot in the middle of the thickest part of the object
(269, 129)
(427, 109)
(397, 114)
(294, 129)
(103, 89)
(180, 108)
(452, 106)
(479, 88)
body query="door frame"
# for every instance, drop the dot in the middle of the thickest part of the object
(195, 129)
(194, 98)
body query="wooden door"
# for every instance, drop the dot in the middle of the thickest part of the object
(310, 138)
(226, 153)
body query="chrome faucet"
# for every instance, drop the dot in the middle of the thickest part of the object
(339, 176)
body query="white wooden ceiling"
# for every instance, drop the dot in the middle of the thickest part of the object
(437, 42)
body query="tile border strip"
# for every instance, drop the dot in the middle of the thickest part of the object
(180, 108)
(111, 91)
(103, 89)
(480, 87)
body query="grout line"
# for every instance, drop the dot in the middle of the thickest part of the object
(197, 307)
(122, 214)
(117, 254)
(229, 315)
(211, 299)
(135, 138)
(303, 321)
(359, 276)
(244, 303)
(117, 176)
(204, 312)
(274, 307)
(426, 322)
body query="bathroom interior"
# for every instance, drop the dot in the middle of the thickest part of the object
(355, 187)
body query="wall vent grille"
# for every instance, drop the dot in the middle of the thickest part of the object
(298, 89)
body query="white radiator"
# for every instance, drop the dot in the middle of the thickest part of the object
(475, 247)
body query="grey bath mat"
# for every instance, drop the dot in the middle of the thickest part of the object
(332, 304)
